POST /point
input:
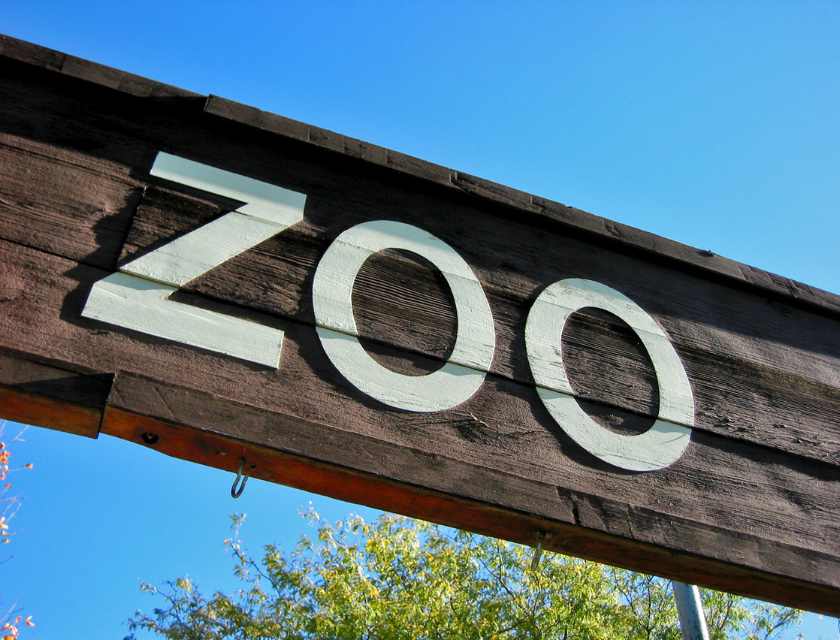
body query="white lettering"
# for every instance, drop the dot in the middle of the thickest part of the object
(136, 297)
(459, 378)
(667, 439)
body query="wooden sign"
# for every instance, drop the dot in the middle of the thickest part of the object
(231, 287)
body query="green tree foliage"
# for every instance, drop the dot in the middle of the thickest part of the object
(399, 579)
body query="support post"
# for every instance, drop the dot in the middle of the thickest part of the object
(690, 610)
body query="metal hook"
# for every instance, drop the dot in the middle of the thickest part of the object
(234, 492)
(535, 561)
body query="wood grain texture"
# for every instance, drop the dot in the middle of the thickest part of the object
(576, 522)
(39, 394)
(503, 428)
(251, 118)
(40, 410)
(744, 389)
(525, 203)
(64, 203)
(753, 506)
(217, 450)
(43, 58)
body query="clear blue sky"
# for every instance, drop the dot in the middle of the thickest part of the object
(716, 124)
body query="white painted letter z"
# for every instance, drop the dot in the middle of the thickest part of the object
(136, 296)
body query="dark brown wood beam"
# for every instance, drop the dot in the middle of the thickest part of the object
(752, 506)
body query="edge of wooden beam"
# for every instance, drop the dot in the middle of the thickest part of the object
(223, 452)
(577, 219)
(284, 449)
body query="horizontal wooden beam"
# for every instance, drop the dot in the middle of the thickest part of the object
(315, 458)
(749, 503)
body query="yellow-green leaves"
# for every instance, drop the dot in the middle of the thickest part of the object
(402, 579)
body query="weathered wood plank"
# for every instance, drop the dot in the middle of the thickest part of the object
(577, 219)
(276, 278)
(248, 119)
(85, 389)
(63, 202)
(751, 506)
(503, 427)
(484, 500)
(47, 396)
(220, 451)
(40, 411)
(741, 390)
(787, 398)
(528, 260)
(712, 316)
(42, 58)
(332, 445)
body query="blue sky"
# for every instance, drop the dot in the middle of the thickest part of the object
(716, 124)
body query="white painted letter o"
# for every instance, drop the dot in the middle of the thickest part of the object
(332, 291)
(654, 449)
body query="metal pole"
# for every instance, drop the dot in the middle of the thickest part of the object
(690, 610)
